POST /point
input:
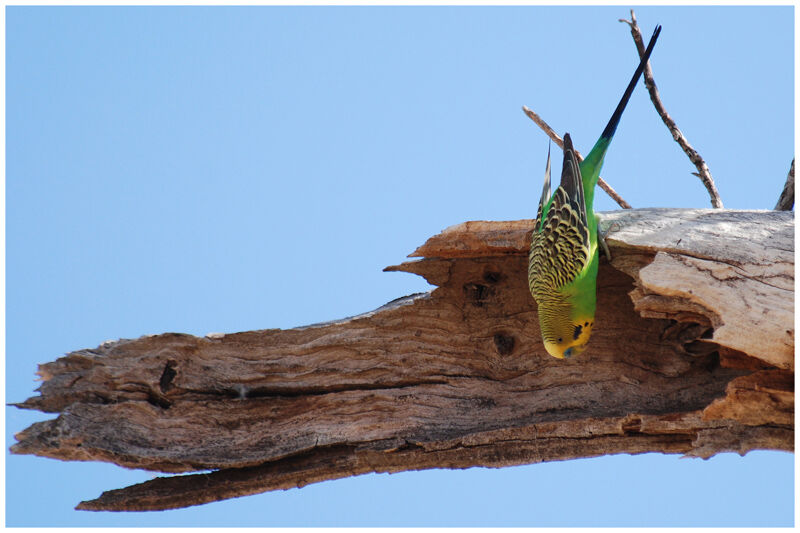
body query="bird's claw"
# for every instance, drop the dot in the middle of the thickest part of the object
(601, 238)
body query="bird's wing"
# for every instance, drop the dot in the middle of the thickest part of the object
(572, 181)
(560, 250)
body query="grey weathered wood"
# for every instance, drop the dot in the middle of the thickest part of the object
(456, 377)
(734, 267)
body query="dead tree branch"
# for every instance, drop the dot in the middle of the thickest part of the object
(786, 199)
(560, 142)
(702, 169)
(693, 353)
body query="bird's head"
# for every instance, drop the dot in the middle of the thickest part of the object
(568, 339)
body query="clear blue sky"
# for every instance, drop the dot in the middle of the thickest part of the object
(229, 169)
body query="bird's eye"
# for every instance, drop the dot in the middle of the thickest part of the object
(560, 339)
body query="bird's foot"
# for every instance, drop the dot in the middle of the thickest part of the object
(601, 237)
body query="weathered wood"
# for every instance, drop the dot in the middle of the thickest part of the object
(692, 353)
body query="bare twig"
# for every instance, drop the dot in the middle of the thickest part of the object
(702, 169)
(560, 142)
(786, 200)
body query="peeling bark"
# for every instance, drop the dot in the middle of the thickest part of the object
(692, 353)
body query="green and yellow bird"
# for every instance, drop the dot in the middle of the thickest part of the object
(562, 264)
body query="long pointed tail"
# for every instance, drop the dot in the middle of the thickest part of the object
(612, 123)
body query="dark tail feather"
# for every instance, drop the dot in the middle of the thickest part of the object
(545, 190)
(612, 124)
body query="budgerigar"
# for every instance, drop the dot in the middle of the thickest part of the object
(562, 265)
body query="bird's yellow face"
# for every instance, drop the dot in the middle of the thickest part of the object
(570, 340)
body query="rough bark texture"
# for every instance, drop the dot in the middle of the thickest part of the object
(693, 353)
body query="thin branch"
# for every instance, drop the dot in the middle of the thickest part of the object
(786, 200)
(702, 169)
(560, 142)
